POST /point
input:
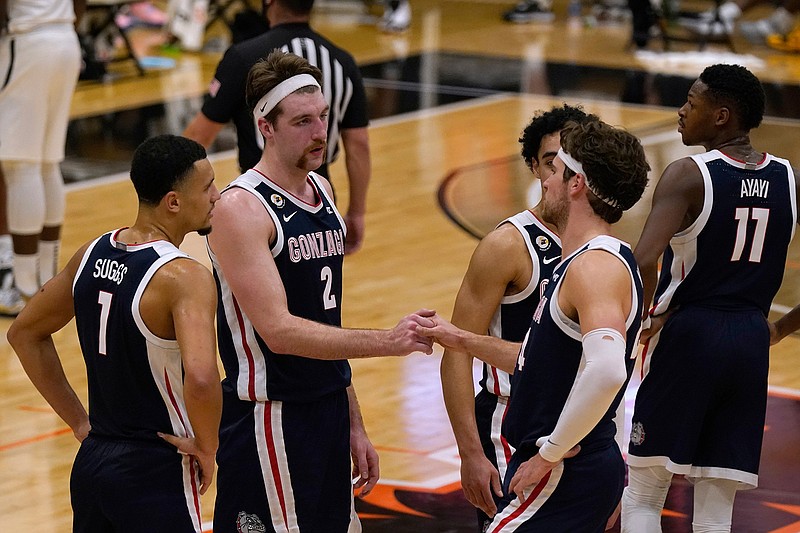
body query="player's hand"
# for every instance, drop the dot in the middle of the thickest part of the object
(532, 471)
(656, 324)
(82, 430)
(405, 338)
(479, 479)
(774, 337)
(443, 332)
(355, 233)
(188, 446)
(366, 470)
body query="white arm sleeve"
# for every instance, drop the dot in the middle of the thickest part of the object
(602, 377)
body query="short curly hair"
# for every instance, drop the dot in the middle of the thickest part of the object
(738, 89)
(615, 162)
(545, 123)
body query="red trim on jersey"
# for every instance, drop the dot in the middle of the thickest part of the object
(503, 441)
(251, 365)
(521, 509)
(173, 401)
(763, 158)
(645, 353)
(192, 473)
(308, 179)
(128, 245)
(496, 380)
(195, 491)
(273, 458)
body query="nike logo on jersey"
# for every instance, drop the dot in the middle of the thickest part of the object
(548, 260)
(287, 218)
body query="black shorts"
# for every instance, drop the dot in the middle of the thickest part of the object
(701, 407)
(120, 486)
(285, 465)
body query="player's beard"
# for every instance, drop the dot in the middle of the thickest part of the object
(305, 161)
(555, 211)
(204, 231)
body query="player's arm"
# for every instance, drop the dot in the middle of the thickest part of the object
(31, 337)
(677, 201)
(485, 283)
(203, 130)
(359, 170)
(240, 242)
(364, 456)
(602, 309)
(190, 295)
(786, 325)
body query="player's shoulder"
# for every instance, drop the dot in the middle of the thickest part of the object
(504, 237)
(504, 242)
(183, 276)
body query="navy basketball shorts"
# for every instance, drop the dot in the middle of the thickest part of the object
(120, 486)
(284, 466)
(490, 410)
(579, 495)
(701, 407)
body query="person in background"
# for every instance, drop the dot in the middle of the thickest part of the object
(341, 86)
(39, 50)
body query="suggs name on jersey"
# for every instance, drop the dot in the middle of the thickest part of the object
(314, 245)
(110, 270)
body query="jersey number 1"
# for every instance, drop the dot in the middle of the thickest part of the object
(743, 215)
(104, 299)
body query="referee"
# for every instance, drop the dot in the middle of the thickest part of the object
(342, 86)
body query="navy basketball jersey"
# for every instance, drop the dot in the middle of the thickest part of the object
(513, 316)
(135, 378)
(308, 251)
(551, 359)
(733, 255)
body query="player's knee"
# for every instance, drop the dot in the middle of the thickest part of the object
(54, 195)
(25, 193)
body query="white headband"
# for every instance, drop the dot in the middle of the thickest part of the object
(574, 165)
(281, 91)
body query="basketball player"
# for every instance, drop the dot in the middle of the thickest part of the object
(723, 221)
(290, 416)
(40, 57)
(567, 472)
(499, 298)
(342, 87)
(144, 312)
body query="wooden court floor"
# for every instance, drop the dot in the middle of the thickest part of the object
(414, 255)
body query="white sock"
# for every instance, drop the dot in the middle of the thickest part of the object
(6, 252)
(643, 499)
(48, 260)
(713, 505)
(26, 274)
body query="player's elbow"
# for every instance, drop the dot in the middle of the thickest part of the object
(19, 336)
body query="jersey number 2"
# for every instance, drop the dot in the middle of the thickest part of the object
(104, 299)
(328, 299)
(743, 216)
